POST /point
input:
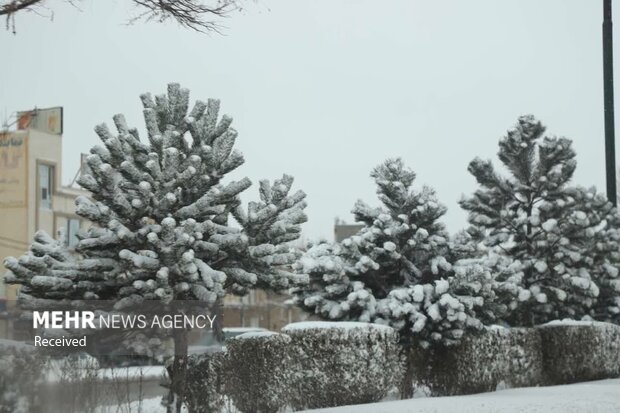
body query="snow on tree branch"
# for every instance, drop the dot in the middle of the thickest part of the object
(162, 217)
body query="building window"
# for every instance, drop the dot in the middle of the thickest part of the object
(46, 174)
(73, 226)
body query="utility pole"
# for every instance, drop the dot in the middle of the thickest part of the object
(608, 86)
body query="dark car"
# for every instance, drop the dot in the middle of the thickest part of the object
(208, 343)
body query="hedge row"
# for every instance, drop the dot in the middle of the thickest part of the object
(319, 364)
(555, 353)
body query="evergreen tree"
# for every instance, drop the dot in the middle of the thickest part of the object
(604, 254)
(162, 227)
(534, 217)
(396, 270)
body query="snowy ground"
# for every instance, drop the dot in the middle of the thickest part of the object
(597, 396)
(592, 397)
(134, 373)
(152, 405)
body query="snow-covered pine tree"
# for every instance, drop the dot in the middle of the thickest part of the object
(395, 271)
(535, 217)
(604, 253)
(162, 227)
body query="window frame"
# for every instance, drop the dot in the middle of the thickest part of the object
(69, 220)
(51, 167)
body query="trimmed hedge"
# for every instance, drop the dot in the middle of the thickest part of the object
(258, 371)
(341, 363)
(580, 351)
(327, 364)
(205, 383)
(498, 357)
(559, 352)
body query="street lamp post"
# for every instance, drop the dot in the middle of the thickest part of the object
(608, 86)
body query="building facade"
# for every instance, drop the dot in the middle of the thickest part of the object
(343, 230)
(32, 197)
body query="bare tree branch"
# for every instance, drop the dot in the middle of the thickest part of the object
(9, 8)
(188, 13)
(199, 15)
(14, 6)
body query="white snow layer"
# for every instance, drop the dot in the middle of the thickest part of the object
(341, 325)
(54, 373)
(570, 322)
(601, 396)
(255, 334)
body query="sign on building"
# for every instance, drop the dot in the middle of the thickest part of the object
(44, 120)
(13, 170)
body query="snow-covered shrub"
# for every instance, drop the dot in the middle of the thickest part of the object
(259, 371)
(205, 382)
(341, 363)
(576, 351)
(497, 357)
(21, 377)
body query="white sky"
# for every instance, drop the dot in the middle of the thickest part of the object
(326, 89)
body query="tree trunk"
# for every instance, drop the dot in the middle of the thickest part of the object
(406, 385)
(218, 324)
(179, 368)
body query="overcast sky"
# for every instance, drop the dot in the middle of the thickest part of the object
(326, 89)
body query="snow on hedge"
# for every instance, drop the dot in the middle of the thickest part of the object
(558, 352)
(497, 357)
(253, 334)
(570, 322)
(259, 371)
(336, 364)
(574, 352)
(205, 382)
(341, 325)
